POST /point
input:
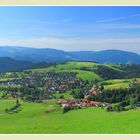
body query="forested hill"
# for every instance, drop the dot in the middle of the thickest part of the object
(53, 55)
(9, 64)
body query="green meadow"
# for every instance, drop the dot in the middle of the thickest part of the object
(117, 83)
(66, 95)
(47, 118)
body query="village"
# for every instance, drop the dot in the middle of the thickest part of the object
(50, 83)
(37, 87)
(47, 83)
(83, 103)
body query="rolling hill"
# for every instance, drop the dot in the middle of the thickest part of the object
(108, 56)
(49, 116)
(34, 55)
(84, 70)
(91, 70)
(53, 55)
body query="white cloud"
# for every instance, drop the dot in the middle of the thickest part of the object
(118, 18)
(122, 26)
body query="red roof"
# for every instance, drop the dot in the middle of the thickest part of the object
(84, 104)
(93, 102)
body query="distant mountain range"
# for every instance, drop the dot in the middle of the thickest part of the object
(34, 54)
(108, 56)
(18, 58)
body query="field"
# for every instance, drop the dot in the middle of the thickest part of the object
(48, 118)
(117, 83)
(66, 95)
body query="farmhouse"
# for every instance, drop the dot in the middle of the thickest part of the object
(78, 103)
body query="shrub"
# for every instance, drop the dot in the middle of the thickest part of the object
(66, 109)
(62, 97)
(6, 110)
(109, 108)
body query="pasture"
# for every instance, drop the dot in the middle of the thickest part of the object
(117, 83)
(47, 118)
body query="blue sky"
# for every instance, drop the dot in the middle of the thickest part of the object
(71, 28)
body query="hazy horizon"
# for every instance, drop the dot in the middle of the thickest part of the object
(71, 28)
(70, 51)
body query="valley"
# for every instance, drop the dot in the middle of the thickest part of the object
(71, 98)
(69, 70)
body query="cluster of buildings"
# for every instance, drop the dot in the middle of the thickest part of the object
(93, 91)
(50, 82)
(82, 103)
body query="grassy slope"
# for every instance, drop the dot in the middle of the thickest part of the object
(33, 119)
(66, 95)
(86, 75)
(117, 83)
(73, 67)
(68, 66)
(114, 67)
